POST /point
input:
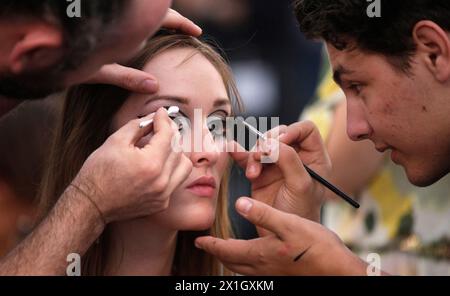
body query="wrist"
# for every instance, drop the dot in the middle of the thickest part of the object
(346, 263)
(82, 204)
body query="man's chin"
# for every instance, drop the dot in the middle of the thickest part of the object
(423, 177)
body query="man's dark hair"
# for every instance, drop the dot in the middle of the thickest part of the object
(82, 36)
(346, 24)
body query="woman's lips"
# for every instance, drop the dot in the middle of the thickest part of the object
(204, 186)
(202, 190)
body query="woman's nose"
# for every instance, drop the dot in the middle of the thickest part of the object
(207, 153)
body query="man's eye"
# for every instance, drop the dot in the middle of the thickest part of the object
(355, 87)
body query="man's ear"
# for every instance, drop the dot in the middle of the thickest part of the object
(41, 46)
(433, 46)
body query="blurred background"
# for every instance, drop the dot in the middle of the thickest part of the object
(279, 73)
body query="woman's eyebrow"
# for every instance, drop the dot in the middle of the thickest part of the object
(179, 100)
(184, 101)
(221, 102)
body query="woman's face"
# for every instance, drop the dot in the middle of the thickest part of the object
(193, 84)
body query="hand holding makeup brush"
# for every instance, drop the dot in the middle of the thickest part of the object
(124, 181)
(285, 184)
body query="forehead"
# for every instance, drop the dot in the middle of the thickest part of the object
(358, 62)
(186, 73)
(342, 58)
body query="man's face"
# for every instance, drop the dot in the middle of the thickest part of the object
(406, 113)
(140, 20)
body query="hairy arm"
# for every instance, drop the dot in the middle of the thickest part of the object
(71, 227)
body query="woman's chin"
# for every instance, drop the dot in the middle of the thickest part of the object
(197, 222)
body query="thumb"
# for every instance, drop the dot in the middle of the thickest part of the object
(263, 215)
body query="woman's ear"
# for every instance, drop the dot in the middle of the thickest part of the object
(40, 46)
(433, 47)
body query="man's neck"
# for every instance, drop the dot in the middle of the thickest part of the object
(141, 247)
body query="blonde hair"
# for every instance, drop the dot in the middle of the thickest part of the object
(85, 125)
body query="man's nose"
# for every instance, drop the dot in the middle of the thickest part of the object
(358, 128)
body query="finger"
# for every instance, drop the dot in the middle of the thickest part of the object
(289, 162)
(132, 132)
(128, 78)
(164, 130)
(176, 21)
(232, 251)
(269, 175)
(254, 166)
(244, 159)
(305, 137)
(180, 173)
(276, 132)
(264, 216)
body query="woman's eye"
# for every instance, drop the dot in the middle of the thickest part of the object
(217, 126)
(181, 121)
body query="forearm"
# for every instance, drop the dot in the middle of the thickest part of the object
(71, 227)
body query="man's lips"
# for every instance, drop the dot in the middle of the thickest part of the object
(394, 152)
(382, 148)
(204, 186)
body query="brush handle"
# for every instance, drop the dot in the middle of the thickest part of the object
(330, 186)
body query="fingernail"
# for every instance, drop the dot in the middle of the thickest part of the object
(244, 205)
(149, 85)
(197, 245)
(251, 169)
(198, 29)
